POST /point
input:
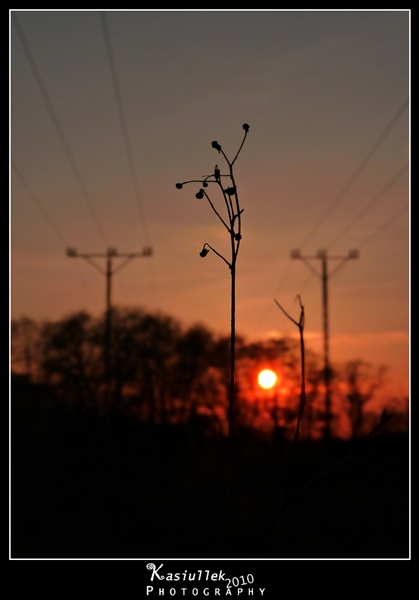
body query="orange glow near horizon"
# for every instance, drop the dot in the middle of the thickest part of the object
(267, 379)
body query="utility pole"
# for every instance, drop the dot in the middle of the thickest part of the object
(112, 253)
(324, 276)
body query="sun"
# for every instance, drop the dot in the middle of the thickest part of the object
(267, 379)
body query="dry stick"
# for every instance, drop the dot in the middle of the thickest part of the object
(300, 325)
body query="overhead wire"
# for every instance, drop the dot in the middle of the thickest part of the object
(133, 173)
(59, 235)
(351, 180)
(127, 139)
(276, 293)
(370, 205)
(59, 129)
(308, 279)
(123, 122)
(367, 158)
(39, 205)
(385, 225)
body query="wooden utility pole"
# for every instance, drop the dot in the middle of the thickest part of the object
(110, 255)
(324, 276)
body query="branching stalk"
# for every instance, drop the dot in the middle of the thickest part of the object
(231, 200)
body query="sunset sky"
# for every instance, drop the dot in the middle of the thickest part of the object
(110, 110)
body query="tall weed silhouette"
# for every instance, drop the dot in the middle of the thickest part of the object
(232, 222)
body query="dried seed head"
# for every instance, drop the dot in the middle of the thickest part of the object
(230, 191)
(216, 145)
(203, 252)
(246, 127)
(238, 237)
(179, 186)
(199, 194)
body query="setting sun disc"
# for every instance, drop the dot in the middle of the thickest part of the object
(267, 379)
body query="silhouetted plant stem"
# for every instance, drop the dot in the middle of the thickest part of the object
(300, 325)
(233, 351)
(233, 226)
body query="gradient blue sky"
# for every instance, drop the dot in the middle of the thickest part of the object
(322, 91)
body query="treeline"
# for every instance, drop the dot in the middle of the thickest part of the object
(163, 373)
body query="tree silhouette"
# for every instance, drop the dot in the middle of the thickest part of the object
(25, 346)
(72, 359)
(166, 374)
(362, 381)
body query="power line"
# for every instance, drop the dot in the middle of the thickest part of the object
(38, 204)
(357, 171)
(278, 289)
(369, 206)
(367, 240)
(49, 220)
(349, 183)
(366, 209)
(123, 121)
(59, 129)
(306, 283)
(386, 225)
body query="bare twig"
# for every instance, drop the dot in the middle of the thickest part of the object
(216, 211)
(300, 325)
(204, 252)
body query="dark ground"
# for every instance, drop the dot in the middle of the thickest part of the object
(84, 488)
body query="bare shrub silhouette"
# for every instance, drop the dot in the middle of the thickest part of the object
(362, 382)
